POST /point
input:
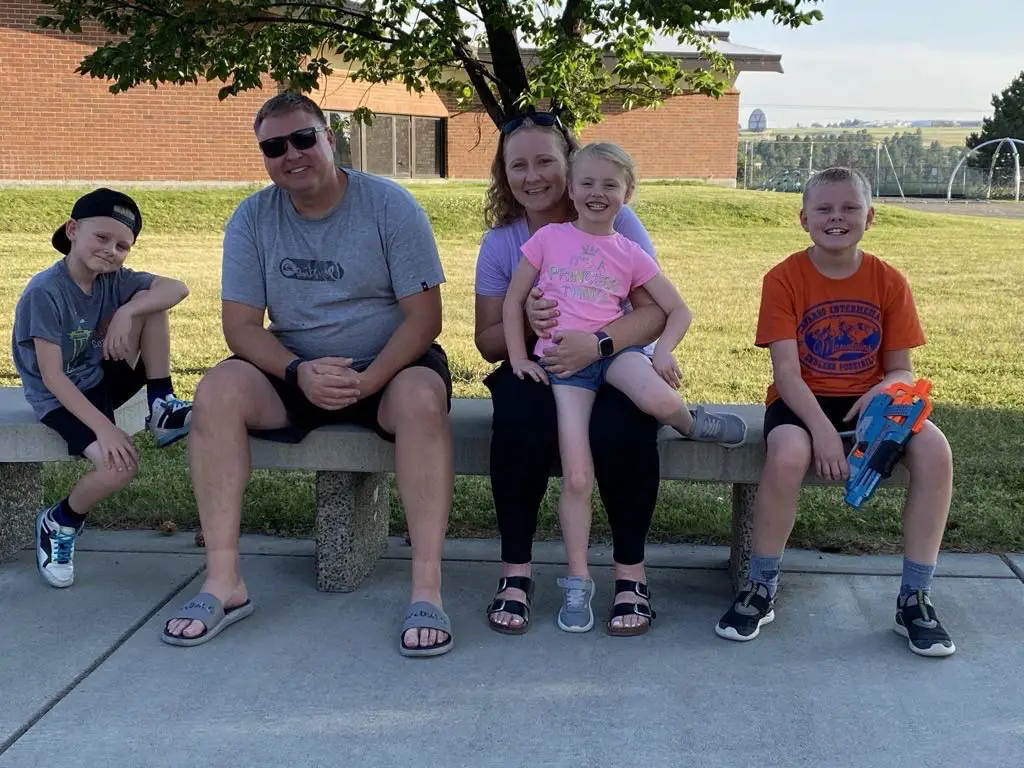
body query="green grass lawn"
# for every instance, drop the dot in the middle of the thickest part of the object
(967, 274)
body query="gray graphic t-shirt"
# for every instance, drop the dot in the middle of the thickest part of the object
(331, 286)
(55, 309)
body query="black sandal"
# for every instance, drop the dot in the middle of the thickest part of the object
(644, 610)
(515, 607)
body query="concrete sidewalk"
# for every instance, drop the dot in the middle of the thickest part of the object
(315, 679)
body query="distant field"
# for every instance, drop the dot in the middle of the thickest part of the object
(947, 137)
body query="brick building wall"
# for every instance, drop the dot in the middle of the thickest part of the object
(58, 125)
(688, 137)
(338, 91)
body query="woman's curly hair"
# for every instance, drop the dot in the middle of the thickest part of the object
(500, 205)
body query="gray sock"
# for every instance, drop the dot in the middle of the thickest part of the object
(765, 570)
(916, 577)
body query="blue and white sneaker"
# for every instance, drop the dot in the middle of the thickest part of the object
(169, 419)
(55, 549)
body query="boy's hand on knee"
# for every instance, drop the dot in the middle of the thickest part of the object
(829, 456)
(117, 450)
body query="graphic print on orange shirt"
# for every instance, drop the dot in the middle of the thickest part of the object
(840, 336)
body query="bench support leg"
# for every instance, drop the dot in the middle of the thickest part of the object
(742, 533)
(352, 515)
(21, 498)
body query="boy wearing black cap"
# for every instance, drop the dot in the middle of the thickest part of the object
(88, 334)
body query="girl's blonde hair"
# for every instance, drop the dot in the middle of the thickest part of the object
(500, 205)
(611, 153)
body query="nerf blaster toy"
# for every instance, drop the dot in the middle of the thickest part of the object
(884, 428)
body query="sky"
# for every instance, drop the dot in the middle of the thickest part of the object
(885, 59)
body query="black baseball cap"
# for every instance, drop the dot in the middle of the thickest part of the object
(101, 202)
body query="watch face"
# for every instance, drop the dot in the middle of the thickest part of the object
(605, 346)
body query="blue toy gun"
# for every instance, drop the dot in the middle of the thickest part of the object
(884, 428)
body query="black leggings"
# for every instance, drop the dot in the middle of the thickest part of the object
(524, 452)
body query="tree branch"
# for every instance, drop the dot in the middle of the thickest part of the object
(510, 74)
(475, 70)
(326, 25)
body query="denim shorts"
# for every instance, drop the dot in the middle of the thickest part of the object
(592, 377)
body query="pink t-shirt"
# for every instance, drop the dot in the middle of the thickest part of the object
(589, 275)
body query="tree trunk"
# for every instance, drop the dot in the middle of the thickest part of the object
(506, 59)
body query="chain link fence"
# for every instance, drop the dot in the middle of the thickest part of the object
(899, 166)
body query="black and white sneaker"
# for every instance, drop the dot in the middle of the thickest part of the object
(750, 611)
(916, 621)
(55, 549)
(170, 420)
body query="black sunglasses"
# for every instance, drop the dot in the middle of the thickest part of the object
(304, 138)
(543, 119)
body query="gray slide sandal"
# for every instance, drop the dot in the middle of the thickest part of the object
(208, 610)
(424, 615)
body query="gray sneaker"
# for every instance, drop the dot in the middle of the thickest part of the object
(726, 429)
(575, 615)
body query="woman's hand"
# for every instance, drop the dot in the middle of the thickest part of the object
(541, 313)
(572, 352)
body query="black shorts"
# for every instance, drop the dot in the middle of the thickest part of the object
(835, 408)
(304, 417)
(119, 384)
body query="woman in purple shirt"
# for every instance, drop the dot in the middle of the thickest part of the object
(528, 190)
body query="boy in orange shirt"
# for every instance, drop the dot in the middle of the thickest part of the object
(839, 324)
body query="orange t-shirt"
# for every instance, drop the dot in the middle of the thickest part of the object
(841, 326)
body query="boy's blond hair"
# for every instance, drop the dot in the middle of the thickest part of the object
(839, 175)
(612, 153)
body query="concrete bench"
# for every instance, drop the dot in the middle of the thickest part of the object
(25, 445)
(352, 496)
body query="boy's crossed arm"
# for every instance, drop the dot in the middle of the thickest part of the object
(162, 294)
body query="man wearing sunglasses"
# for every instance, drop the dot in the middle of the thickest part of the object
(345, 265)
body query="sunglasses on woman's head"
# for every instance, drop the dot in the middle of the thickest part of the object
(543, 119)
(304, 138)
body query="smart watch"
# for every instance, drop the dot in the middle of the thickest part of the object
(291, 373)
(605, 345)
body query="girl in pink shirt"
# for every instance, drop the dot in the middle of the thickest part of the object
(591, 269)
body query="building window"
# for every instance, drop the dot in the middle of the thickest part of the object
(347, 152)
(393, 145)
(428, 147)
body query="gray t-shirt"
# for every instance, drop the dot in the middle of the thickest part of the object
(331, 285)
(55, 309)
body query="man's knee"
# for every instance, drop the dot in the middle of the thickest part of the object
(223, 394)
(416, 396)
